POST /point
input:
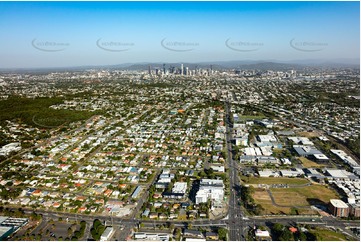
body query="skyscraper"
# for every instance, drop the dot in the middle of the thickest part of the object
(182, 69)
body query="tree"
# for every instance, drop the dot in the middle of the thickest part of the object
(277, 230)
(222, 233)
(82, 225)
(97, 229)
(294, 211)
(261, 228)
(286, 235)
(258, 209)
(301, 236)
(70, 231)
(177, 233)
(189, 226)
(278, 227)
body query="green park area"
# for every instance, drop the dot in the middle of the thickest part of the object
(36, 112)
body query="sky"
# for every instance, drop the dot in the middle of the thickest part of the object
(61, 34)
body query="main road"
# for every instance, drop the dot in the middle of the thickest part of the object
(236, 223)
(235, 216)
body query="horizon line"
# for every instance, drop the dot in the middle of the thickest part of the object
(335, 61)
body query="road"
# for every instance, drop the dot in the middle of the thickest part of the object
(236, 230)
(235, 216)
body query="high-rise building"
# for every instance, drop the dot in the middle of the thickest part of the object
(182, 69)
(149, 72)
(187, 71)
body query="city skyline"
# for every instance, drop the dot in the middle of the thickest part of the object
(63, 34)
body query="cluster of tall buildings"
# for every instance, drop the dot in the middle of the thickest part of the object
(182, 71)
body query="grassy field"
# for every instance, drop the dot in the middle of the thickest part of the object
(309, 163)
(302, 196)
(261, 197)
(274, 180)
(249, 117)
(328, 235)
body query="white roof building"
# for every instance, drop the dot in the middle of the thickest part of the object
(301, 140)
(210, 189)
(107, 234)
(337, 203)
(179, 187)
(268, 173)
(291, 173)
(266, 138)
(261, 233)
(338, 174)
(320, 157)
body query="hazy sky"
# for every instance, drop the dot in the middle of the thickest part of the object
(53, 34)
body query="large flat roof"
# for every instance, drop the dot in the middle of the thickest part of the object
(337, 203)
(337, 173)
(3, 218)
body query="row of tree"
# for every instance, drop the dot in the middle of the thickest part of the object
(97, 229)
(245, 193)
(282, 233)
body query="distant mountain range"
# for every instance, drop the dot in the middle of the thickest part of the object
(216, 65)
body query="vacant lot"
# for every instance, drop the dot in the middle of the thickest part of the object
(288, 197)
(309, 134)
(275, 180)
(303, 196)
(261, 197)
(310, 164)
